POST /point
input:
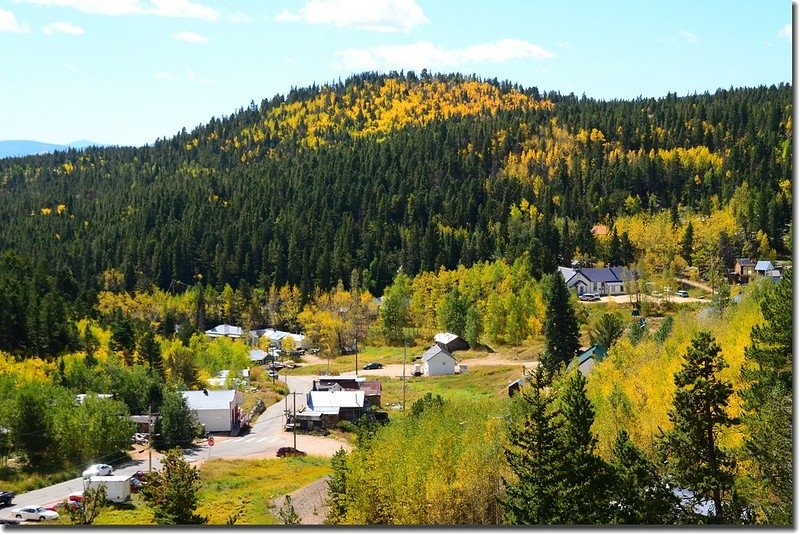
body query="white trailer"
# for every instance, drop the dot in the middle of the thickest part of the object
(118, 488)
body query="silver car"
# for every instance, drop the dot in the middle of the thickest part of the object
(34, 512)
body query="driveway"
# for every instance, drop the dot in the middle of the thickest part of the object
(262, 441)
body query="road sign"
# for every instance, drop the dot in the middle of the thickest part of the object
(210, 441)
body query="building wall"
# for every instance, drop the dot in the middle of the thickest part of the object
(215, 419)
(439, 365)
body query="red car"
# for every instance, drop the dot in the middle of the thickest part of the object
(65, 505)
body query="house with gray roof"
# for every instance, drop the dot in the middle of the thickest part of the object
(438, 361)
(603, 281)
(763, 267)
(225, 330)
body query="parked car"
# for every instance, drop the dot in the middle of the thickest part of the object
(682, 293)
(139, 438)
(142, 475)
(373, 366)
(314, 350)
(288, 451)
(97, 470)
(6, 497)
(34, 512)
(273, 374)
(67, 505)
(76, 496)
(589, 297)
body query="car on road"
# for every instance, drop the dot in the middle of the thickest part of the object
(288, 451)
(97, 470)
(6, 497)
(373, 366)
(589, 297)
(33, 512)
(682, 293)
(76, 496)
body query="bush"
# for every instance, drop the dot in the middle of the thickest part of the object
(347, 426)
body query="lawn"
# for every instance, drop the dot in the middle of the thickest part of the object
(479, 382)
(233, 487)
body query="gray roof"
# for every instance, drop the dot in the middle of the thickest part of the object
(225, 330)
(445, 338)
(257, 354)
(764, 265)
(433, 351)
(745, 262)
(606, 274)
(215, 399)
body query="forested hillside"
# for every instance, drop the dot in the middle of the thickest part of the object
(389, 171)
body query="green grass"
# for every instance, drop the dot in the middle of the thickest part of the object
(28, 478)
(479, 382)
(233, 487)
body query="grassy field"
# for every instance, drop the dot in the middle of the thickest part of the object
(477, 383)
(26, 478)
(232, 487)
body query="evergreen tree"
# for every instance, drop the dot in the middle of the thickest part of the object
(687, 244)
(641, 495)
(585, 493)
(534, 456)
(560, 325)
(123, 337)
(768, 404)
(607, 330)
(614, 249)
(699, 414)
(337, 489)
(172, 492)
(150, 352)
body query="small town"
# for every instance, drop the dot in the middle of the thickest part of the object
(417, 263)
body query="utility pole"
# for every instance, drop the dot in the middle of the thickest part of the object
(150, 436)
(294, 419)
(405, 344)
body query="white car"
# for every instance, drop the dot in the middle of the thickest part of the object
(34, 512)
(97, 470)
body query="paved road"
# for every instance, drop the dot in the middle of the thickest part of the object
(263, 440)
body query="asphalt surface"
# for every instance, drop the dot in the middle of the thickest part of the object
(264, 438)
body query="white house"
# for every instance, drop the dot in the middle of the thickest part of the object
(344, 404)
(438, 361)
(603, 281)
(276, 338)
(231, 331)
(218, 410)
(764, 267)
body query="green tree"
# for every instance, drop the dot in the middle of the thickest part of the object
(560, 326)
(337, 489)
(452, 312)
(640, 493)
(394, 308)
(287, 514)
(607, 330)
(178, 424)
(172, 492)
(585, 487)
(687, 244)
(90, 506)
(427, 402)
(150, 352)
(699, 413)
(473, 330)
(123, 337)
(534, 454)
(768, 404)
(33, 423)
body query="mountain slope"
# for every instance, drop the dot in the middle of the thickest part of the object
(383, 171)
(22, 147)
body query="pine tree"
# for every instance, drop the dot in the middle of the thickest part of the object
(172, 492)
(150, 352)
(534, 456)
(687, 244)
(640, 493)
(699, 414)
(607, 330)
(586, 482)
(560, 325)
(614, 249)
(768, 405)
(337, 489)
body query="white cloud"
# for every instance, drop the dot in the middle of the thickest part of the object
(62, 27)
(689, 36)
(161, 8)
(9, 23)
(373, 15)
(190, 37)
(240, 18)
(424, 54)
(786, 31)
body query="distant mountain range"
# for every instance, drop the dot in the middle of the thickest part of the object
(24, 147)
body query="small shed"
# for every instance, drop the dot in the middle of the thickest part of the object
(763, 267)
(743, 267)
(438, 361)
(450, 342)
(586, 360)
(258, 356)
(217, 410)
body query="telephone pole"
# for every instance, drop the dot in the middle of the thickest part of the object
(150, 436)
(405, 344)
(294, 419)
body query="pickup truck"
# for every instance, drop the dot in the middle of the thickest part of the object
(6, 497)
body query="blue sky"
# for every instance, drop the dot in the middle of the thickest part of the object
(131, 71)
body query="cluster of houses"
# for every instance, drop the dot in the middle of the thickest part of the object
(274, 337)
(746, 268)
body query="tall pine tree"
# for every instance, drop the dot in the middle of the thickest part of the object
(560, 325)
